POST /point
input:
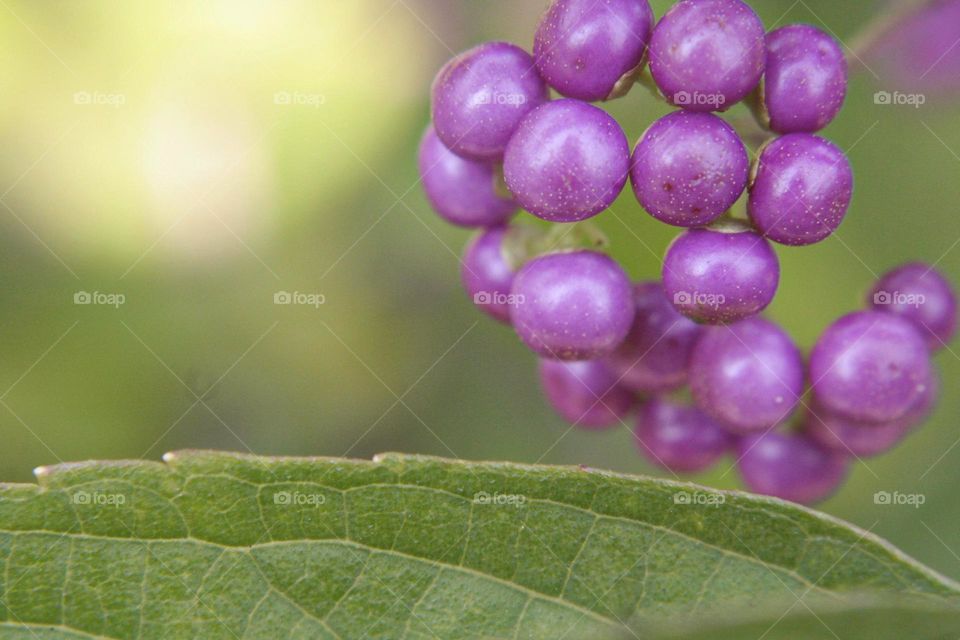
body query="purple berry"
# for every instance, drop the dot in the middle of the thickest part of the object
(572, 306)
(480, 96)
(461, 190)
(656, 353)
(853, 437)
(805, 81)
(585, 393)
(707, 55)
(865, 439)
(747, 375)
(920, 53)
(689, 168)
(583, 47)
(790, 466)
(720, 275)
(801, 190)
(870, 366)
(486, 275)
(679, 437)
(918, 292)
(568, 161)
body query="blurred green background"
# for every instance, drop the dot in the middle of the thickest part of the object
(198, 158)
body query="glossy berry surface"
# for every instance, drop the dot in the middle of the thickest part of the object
(805, 81)
(679, 437)
(790, 466)
(567, 161)
(583, 47)
(480, 97)
(871, 366)
(585, 393)
(655, 355)
(461, 191)
(707, 55)
(918, 292)
(485, 274)
(748, 375)
(801, 190)
(572, 306)
(716, 276)
(689, 168)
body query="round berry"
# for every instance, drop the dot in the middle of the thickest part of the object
(572, 306)
(801, 190)
(870, 365)
(486, 275)
(568, 161)
(679, 437)
(689, 168)
(747, 375)
(480, 96)
(790, 466)
(583, 47)
(918, 292)
(853, 437)
(585, 393)
(707, 55)
(656, 353)
(805, 81)
(460, 190)
(720, 275)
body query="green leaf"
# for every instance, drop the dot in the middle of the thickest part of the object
(217, 545)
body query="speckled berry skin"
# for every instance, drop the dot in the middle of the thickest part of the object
(585, 393)
(801, 190)
(805, 81)
(572, 306)
(707, 55)
(790, 466)
(718, 276)
(918, 292)
(480, 96)
(871, 366)
(485, 274)
(689, 168)
(584, 47)
(656, 353)
(567, 161)
(748, 375)
(679, 437)
(461, 191)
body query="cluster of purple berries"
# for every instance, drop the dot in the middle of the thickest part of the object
(499, 142)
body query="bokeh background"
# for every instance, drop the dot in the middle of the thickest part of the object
(198, 158)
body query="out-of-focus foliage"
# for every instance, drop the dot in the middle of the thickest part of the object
(200, 158)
